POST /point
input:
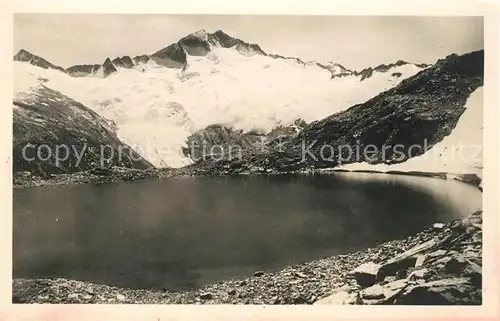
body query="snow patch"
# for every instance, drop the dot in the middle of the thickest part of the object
(458, 153)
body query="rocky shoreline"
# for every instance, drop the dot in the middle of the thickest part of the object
(118, 174)
(440, 265)
(101, 176)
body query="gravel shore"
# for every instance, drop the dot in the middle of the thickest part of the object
(117, 174)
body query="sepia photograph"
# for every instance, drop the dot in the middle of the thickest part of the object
(247, 159)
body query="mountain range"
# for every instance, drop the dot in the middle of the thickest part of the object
(211, 86)
(176, 55)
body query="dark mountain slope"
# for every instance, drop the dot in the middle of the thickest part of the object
(50, 119)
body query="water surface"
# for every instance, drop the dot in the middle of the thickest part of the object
(183, 233)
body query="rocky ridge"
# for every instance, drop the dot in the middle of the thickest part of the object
(27, 56)
(199, 43)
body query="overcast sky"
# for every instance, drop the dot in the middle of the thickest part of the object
(354, 41)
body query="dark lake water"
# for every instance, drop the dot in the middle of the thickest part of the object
(183, 233)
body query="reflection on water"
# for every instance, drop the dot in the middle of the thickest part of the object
(182, 233)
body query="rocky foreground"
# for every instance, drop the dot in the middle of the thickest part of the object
(441, 265)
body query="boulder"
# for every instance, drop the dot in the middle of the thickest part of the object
(206, 296)
(420, 260)
(300, 275)
(374, 292)
(73, 296)
(419, 274)
(388, 279)
(366, 274)
(438, 226)
(87, 297)
(383, 294)
(455, 265)
(403, 261)
(396, 267)
(453, 291)
(436, 255)
(341, 296)
(23, 174)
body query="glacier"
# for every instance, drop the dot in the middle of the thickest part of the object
(154, 109)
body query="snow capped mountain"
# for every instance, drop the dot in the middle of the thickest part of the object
(337, 69)
(430, 122)
(158, 100)
(458, 153)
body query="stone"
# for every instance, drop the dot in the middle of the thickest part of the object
(401, 274)
(231, 292)
(24, 174)
(396, 268)
(366, 273)
(120, 297)
(455, 265)
(470, 253)
(382, 294)
(476, 278)
(420, 260)
(403, 261)
(300, 275)
(473, 267)
(338, 298)
(388, 279)
(453, 291)
(374, 292)
(258, 273)
(73, 296)
(419, 274)
(299, 299)
(341, 296)
(435, 255)
(438, 226)
(206, 296)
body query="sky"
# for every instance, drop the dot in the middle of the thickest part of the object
(356, 42)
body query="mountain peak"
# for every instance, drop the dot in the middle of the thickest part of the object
(108, 67)
(24, 55)
(202, 33)
(337, 68)
(22, 52)
(220, 32)
(224, 40)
